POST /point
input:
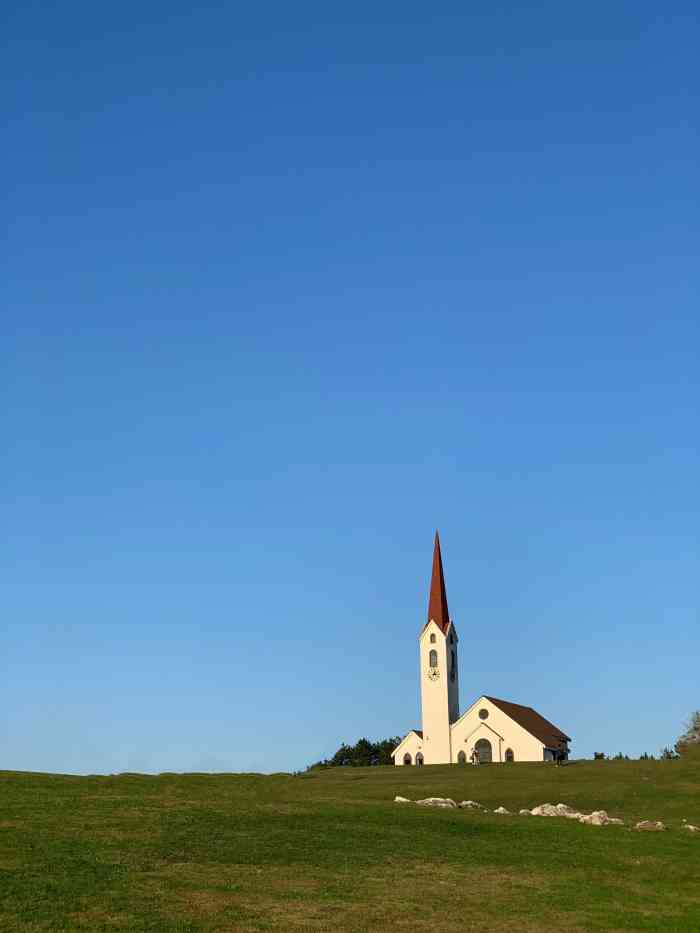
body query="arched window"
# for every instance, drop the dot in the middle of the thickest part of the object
(452, 641)
(462, 758)
(509, 755)
(419, 759)
(432, 638)
(453, 667)
(407, 760)
(433, 658)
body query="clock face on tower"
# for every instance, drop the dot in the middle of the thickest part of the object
(433, 673)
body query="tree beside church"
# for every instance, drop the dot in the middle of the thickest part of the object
(360, 755)
(689, 742)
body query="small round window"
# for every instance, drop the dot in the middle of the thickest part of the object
(483, 713)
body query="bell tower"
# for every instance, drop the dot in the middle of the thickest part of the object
(439, 671)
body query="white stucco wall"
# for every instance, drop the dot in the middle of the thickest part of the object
(439, 697)
(411, 744)
(500, 730)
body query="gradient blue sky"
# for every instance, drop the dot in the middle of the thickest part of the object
(290, 285)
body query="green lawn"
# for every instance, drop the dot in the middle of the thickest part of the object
(330, 850)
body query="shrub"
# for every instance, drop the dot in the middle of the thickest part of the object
(689, 742)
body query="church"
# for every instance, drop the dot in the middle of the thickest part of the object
(497, 730)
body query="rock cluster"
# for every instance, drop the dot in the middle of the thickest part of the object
(596, 818)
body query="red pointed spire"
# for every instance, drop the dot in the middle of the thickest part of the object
(437, 605)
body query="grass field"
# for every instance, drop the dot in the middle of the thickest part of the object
(330, 850)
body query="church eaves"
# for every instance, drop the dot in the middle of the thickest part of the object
(437, 604)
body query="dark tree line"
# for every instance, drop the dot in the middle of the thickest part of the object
(362, 754)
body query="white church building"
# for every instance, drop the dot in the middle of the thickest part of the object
(499, 731)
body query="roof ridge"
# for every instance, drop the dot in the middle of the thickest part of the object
(530, 720)
(512, 702)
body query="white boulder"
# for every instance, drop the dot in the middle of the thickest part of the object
(398, 799)
(472, 805)
(597, 818)
(501, 810)
(650, 826)
(568, 812)
(545, 809)
(445, 802)
(600, 818)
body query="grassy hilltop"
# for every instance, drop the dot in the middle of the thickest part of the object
(329, 850)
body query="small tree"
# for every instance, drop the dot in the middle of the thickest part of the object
(689, 742)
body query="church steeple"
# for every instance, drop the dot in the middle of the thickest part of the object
(437, 604)
(439, 681)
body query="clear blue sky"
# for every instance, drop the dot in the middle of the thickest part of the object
(289, 286)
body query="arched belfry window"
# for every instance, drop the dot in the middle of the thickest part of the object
(432, 638)
(433, 658)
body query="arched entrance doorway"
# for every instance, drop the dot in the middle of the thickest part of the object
(407, 760)
(462, 758)
(483, 747)
(419, 759)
